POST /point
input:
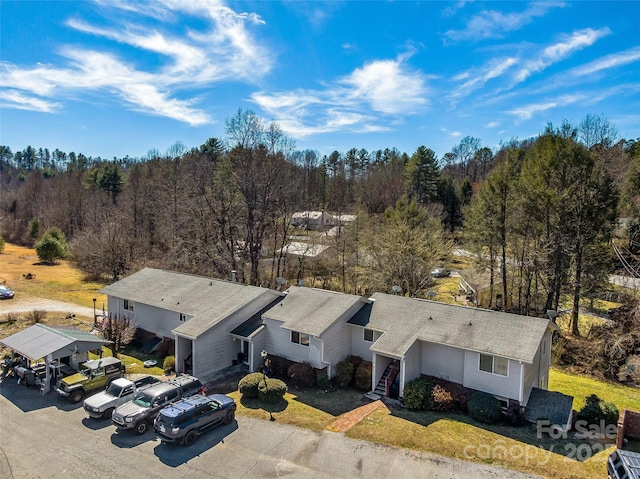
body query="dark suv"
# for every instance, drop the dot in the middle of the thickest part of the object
(139, 413)
(184, 420)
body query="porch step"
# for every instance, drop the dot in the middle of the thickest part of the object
(379, 390)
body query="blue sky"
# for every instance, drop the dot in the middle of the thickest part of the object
(112, 78)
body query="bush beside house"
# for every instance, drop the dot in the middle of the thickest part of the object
(363, 376)
(344, 374)
(483, 407)
(248, 385)
(596, 410)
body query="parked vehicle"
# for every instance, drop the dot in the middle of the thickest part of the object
(183, 421)
(139, 413)
(440, 273)
(6, 292)
(94, 374)
(120, 391)
(623, 465)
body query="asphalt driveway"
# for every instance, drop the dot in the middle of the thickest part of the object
(45, 436)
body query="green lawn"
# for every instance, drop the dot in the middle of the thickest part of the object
(580, 387)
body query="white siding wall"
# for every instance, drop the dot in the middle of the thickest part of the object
(507, 387)
(443, 361)
(360, 347)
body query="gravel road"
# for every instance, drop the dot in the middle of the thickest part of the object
(24, 305)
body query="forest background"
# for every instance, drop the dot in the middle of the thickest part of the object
(548, 219)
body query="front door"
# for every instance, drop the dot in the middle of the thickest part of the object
(244, 349)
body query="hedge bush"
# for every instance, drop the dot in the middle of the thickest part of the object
(596, 409)
(484, 407)
(439, 398)
(344, 374)
(169, 363)
(301, 375)
(272, 390)
(415, 393)
(355, 360)
(323, 381)
(363, 376)
(248, 385)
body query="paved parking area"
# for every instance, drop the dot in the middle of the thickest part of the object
(44, 436)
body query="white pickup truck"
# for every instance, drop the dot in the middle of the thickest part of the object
(119, 391)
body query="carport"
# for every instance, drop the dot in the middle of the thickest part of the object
(52, 344)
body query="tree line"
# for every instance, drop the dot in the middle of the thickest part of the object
(539, 214)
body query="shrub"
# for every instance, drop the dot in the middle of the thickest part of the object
(36, 315)
(344, 374)
(322, 381)
(169, 363)
(248, 385)
(52, 246)
(301, 375)
(515, 415)
(595, 410)
(279, 366)
(363, 376)
(415, 393)
(355, 360)
(272, 390)
(484, 407)
(1, 244)
(11, 317)
(441, 399)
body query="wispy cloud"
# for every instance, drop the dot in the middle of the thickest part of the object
(560, 50)
(223, 48)
(607, 62)
(528, 111)
(19, 101)
(360, 101)
(478, 78)
(494, 24)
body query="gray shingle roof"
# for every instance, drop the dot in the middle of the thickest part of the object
(404, 320)
(39, 340)
(208, 300)
(311, 310)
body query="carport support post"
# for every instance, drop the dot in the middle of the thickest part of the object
(95, 322)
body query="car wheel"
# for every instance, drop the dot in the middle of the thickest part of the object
(190, 438)
(228, 418)
(76, 396)
(141, 427)
(108, 413)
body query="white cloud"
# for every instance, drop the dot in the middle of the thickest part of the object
(221, 49)
(493, 24)
(19, 101)
(477, 78)
(363, 101)
(527, 112)
(492, 124)
(609, 61)
(558, 51)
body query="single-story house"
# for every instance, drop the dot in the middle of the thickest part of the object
(503, 354)
(197, 313)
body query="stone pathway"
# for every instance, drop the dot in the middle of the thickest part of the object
(349, 419)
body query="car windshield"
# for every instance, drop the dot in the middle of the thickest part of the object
(114, 390)
(86, 371)
(143, 400)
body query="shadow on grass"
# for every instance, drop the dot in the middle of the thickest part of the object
(255, 404)
(570, 445)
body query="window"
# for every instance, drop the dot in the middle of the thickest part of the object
(368, 335)
(128, 305)
(300, 338)
(183, 317)
(494, 364)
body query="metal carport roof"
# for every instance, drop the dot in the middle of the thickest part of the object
(40, 341)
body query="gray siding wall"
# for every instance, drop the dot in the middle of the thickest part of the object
(278, 342)
(531, 376)
(360, 347)
(506, 387)
(216, 348)
(152, 319)
(412, 364)
(443, 361)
